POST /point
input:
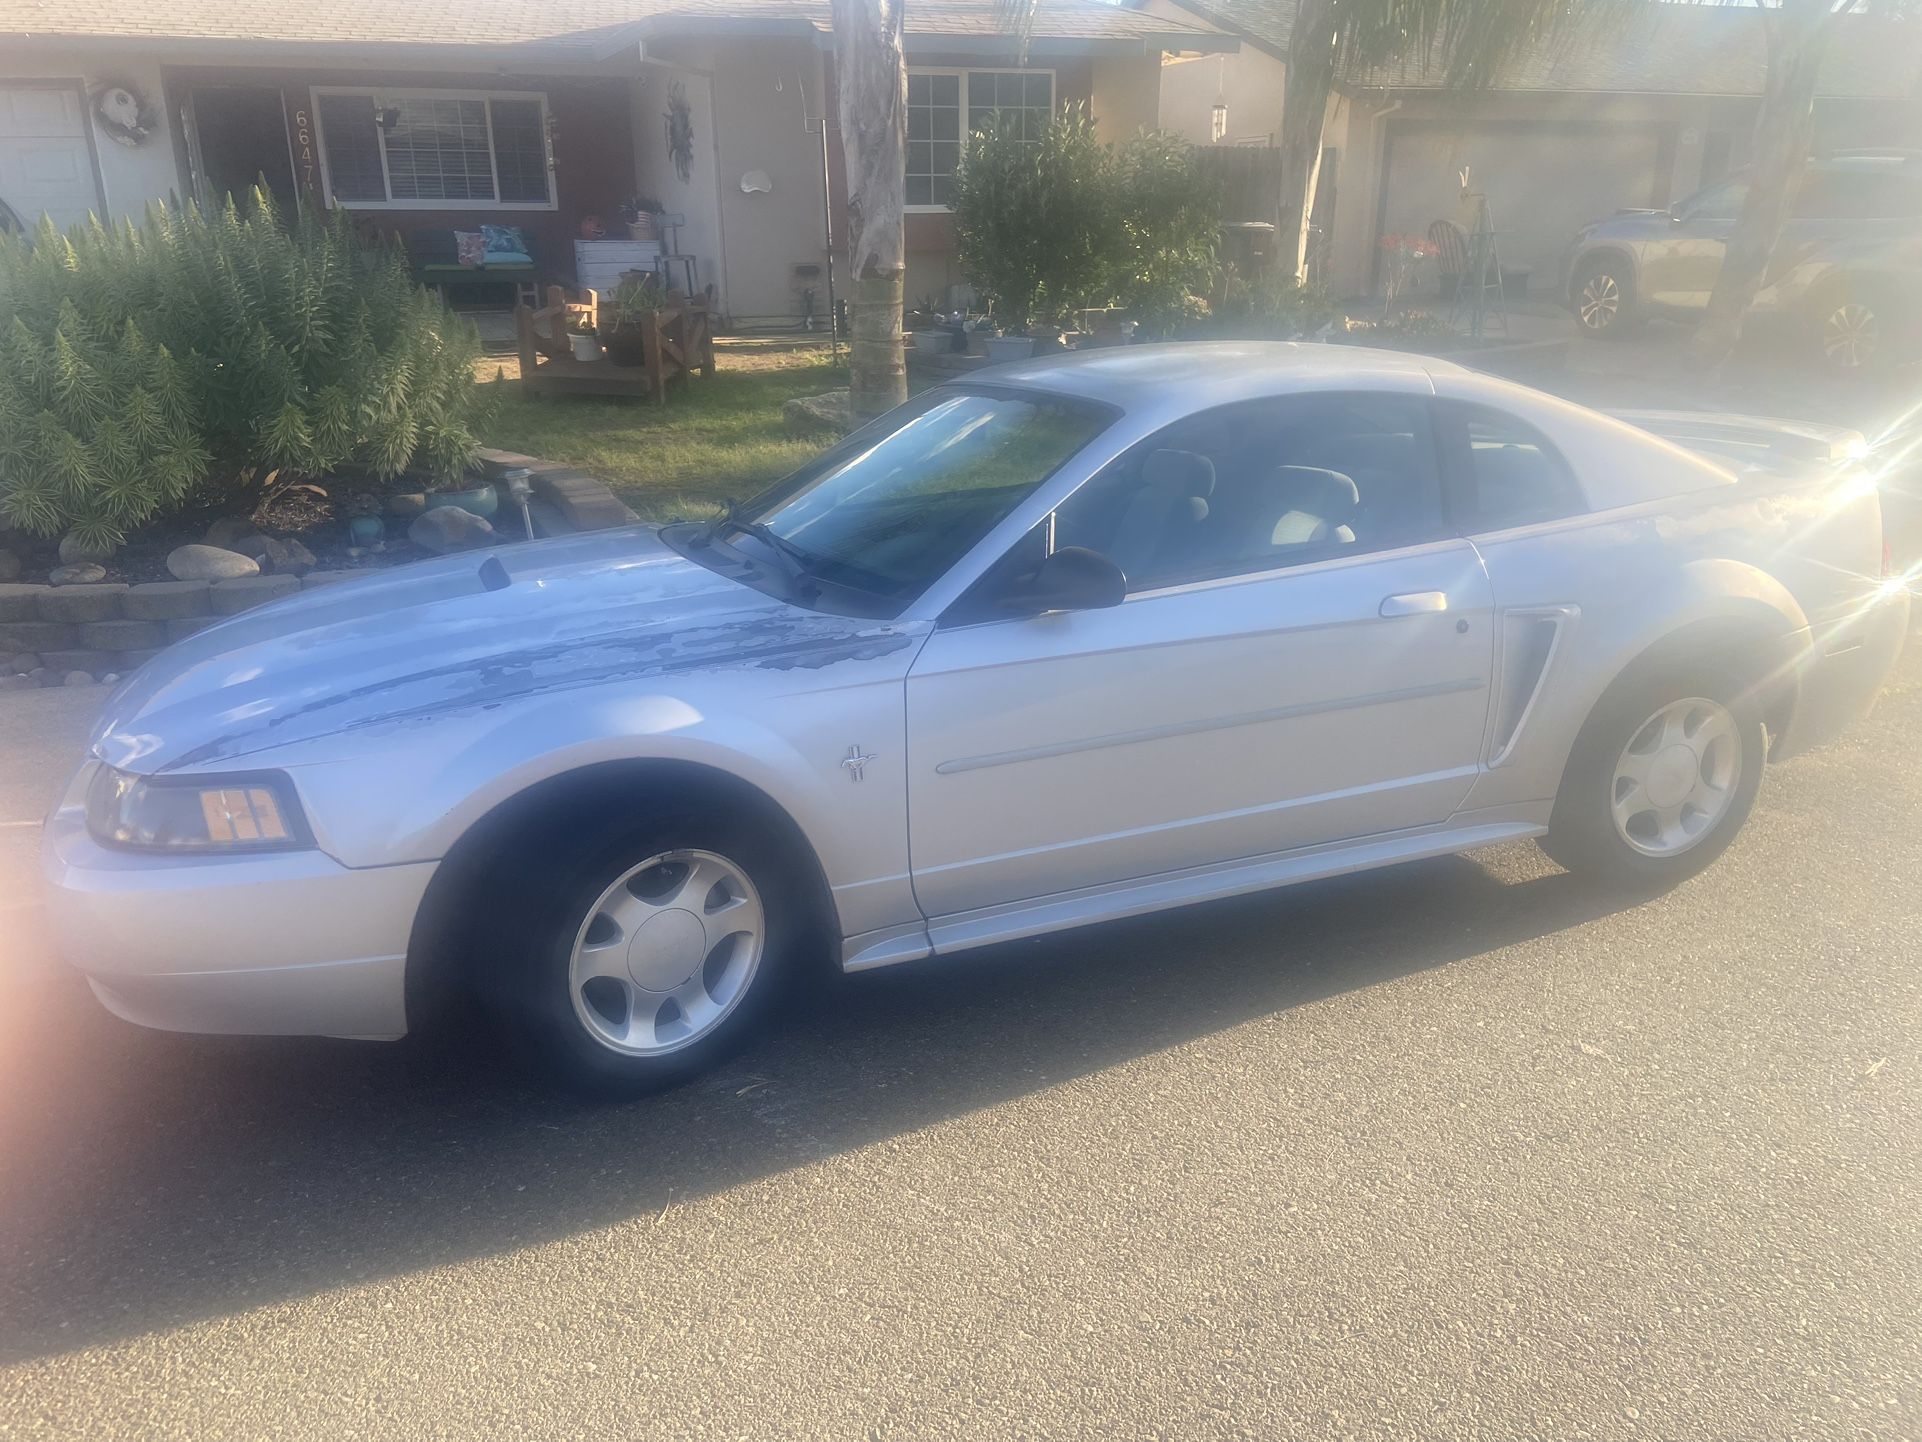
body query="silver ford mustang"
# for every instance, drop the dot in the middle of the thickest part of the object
(1075, 640)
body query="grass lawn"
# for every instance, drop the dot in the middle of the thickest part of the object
(712, 441)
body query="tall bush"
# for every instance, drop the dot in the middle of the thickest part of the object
(1065, 223)
(1037, 223)
(185, 359)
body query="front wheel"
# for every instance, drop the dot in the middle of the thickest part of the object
(1604, 300)
(1660, 780)
(639, 959)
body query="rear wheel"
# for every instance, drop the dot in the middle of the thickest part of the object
(1604, 299)
(1661, 779)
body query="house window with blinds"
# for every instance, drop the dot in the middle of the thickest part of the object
(946, 106)
(435, 150)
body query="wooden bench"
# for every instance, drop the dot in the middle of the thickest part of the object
(676, 341)
(434, 258)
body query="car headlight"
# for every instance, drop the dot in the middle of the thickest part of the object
(251, 812)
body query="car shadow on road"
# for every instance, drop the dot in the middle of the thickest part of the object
(155, 1180)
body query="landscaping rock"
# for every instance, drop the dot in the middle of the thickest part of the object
(44, 676)
(21, 602)
(408, 505)
(9, 566)
(287, 557)
(164, 600)
(35, 635)
(244, 592)
(832, 411)
(224, 532)
(76, 659)
(74, 551)
(82, 603)
(77, 573)
(448, 528)
(79, 678)
(111, 678)
(583, 502)
(25, 661)
(123, 635)
(210, 563)
(18, 683)
(181, 627)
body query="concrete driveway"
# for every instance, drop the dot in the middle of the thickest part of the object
(1454, 1150)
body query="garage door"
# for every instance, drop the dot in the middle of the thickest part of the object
(45, 164)
(1543, 182)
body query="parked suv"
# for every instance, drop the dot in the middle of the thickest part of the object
(1846, 277)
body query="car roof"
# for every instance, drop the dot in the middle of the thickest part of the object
(1198, 374)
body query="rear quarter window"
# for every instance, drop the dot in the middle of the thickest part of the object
(1502, 472)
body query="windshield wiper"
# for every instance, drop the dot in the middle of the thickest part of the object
(795, 562)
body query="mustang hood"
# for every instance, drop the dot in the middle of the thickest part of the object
(445, 636)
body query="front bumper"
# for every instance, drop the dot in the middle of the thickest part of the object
(287, 944)
(1844, 671)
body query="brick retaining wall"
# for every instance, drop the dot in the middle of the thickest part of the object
(51, 632)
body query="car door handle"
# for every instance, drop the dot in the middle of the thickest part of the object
(1415, 603)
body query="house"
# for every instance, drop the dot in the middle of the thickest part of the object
(422, 115)
(1642, 117)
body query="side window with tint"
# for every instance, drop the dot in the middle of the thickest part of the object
(1263, 485)
(1503, 472)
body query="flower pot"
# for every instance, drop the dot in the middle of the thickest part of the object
(624, 345)
(933, 342)
(482, 500)
(1009, 348)
(643, 229)
(586, 347)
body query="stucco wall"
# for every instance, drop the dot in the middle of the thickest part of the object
(697, 197)
(1249, 84)
(131, 176)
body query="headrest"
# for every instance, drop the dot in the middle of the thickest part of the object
(1318, 492)
(1183, 472)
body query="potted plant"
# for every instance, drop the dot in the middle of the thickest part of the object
(642, 214)
(582, 337)
(638, 294)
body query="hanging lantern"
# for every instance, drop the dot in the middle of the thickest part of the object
(1218, 122)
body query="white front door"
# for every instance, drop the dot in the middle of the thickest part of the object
(46, 166)
(1280, 676)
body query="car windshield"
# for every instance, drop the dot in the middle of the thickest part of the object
(888, 511)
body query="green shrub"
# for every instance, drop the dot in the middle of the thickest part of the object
(1171, 210)
(1037, 223)
(1270, 306)
(1064, 223)
(184, 360)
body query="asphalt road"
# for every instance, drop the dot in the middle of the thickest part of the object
(1454, 1150)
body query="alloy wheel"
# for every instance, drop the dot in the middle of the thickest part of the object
(1851, 336)
(1677, 777)
(1600, 301)
(667, 953)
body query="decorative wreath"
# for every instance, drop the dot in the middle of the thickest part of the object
(126, 115)
(680, 131)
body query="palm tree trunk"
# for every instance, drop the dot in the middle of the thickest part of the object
(1798, 38)
(872, 79)
(1304, 117)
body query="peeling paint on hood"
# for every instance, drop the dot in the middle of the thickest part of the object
(419, 643)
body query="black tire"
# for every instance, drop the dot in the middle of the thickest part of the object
(552, 885)
(1583, 835)
(1856, 330)
(1602, 296)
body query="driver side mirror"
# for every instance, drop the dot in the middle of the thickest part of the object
(1072, 579)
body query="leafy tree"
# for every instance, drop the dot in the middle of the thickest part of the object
(182, 360)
